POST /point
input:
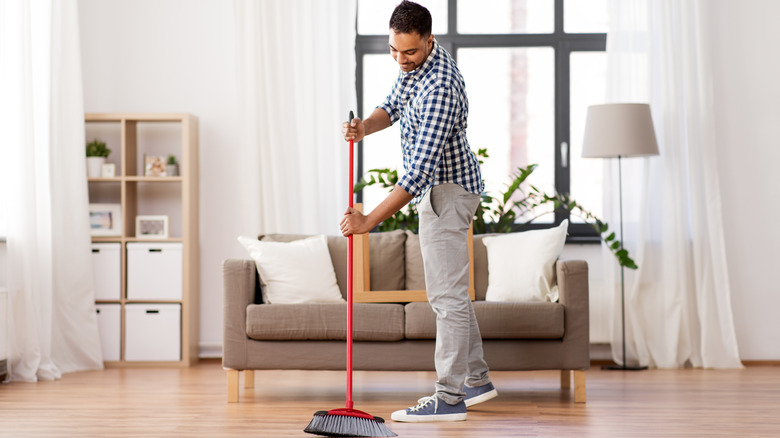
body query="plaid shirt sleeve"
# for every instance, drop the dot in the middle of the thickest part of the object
(437, 116)
(390, 105)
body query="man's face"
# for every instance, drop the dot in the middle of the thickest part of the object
(410, 50)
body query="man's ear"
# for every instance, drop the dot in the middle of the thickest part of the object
(430, 42)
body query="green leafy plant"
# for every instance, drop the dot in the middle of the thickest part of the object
(172, 160)
(500, 214)
(97, 148)
(406, 218)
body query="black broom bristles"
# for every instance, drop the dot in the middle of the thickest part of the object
(327, 424)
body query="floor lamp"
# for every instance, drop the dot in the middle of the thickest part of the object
(619, 130)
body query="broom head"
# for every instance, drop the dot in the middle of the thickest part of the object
(347, 422)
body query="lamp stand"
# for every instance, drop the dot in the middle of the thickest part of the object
(624, 366)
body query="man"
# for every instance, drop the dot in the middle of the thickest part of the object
(443, 176)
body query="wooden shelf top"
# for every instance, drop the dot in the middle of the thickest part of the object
(119, 239)
(138, 117)
(138, 179)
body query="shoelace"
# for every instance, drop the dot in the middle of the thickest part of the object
(423, 402)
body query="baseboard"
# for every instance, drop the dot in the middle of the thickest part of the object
(210, 351)
(761, 363)
(600, 353)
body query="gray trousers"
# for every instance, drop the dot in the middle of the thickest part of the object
(446, 212)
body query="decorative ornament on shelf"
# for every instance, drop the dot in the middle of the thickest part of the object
(172, 168)
(97, 152)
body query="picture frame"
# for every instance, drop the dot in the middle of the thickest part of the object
(154, 165)
(105, 219)
(151, 226)
(108, 170)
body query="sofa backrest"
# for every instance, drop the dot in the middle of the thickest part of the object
(415, 274)
(395, 260)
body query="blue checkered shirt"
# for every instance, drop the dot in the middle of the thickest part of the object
(432, 105)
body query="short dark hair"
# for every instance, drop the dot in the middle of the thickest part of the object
(409, 17)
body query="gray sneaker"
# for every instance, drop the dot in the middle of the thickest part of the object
(479, 394)
(431, 409)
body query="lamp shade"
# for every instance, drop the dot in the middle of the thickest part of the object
(619, 130)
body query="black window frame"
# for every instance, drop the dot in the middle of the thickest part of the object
(563, 44)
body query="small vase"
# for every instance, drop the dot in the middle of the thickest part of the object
(95, 166)
(172, 169)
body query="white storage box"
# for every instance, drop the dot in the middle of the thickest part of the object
(153, 332)
(107, 270)
(110, 329)
(154, 271)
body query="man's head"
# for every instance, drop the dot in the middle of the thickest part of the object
(411, 40)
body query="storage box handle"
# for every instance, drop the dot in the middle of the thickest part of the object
(95, 250)
(155, 249)
(152, 311)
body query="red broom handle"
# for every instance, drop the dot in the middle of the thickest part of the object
(350, 404)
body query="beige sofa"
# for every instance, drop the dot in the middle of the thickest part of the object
(399, 336)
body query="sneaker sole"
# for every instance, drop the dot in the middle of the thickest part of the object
(403, 417)
(481, 398)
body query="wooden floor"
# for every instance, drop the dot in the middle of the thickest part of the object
(192, 403)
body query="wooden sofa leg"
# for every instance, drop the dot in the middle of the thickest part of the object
(232, 386)
(579, 387)
(565, 379)
(249, 379)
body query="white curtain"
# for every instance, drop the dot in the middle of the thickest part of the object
(53, 326)
(296, 85)
(678, 305)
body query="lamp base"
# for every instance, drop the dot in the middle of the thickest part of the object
(623, 367)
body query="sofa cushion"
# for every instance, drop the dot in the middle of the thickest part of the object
(301, 322)
(480, 267)
(537, 320)
(387, 260)
(386, 256)
(415, 273)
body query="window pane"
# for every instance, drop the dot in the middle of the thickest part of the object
(588, 83)
(382, 149)
(585, 16)
(374, 15)
(506, 16)
(511, 113)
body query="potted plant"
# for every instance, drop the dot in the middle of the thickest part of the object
(97, 152)
(172, 168)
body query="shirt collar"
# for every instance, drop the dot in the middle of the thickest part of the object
(426, 65)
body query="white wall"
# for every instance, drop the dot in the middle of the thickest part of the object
(176, 56)
(3, 265)
(747, 95)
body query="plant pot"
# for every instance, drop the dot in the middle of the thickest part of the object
(172, 169)
(95, 166)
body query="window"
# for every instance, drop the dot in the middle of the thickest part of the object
(532, 67)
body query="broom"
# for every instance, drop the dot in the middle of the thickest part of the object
(348, 421)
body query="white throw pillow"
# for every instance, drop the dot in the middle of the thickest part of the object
(295, 272)
(520, 265)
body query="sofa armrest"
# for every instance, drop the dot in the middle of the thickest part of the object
(572, 276)
(239, 280)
